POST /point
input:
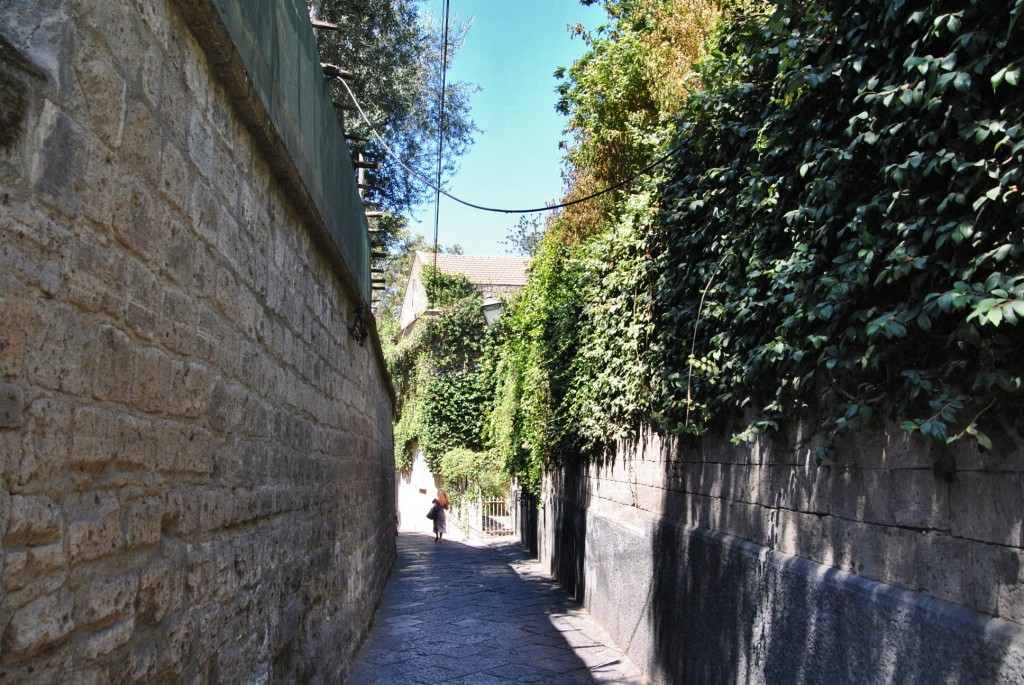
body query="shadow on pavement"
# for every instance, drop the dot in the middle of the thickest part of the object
(459, 612)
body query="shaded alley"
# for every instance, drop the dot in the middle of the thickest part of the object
(465, 612)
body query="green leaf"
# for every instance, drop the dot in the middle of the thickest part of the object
(935, 429)
(1009, 74)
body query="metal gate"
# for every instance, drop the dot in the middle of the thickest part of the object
(493, 517)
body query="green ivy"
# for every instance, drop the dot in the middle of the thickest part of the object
(445, 290)
(839, 236)
(407, 429)
(452, 407)
(477, 473)
(529, 425)
(845, 222)
(610, 391)
(443, 384)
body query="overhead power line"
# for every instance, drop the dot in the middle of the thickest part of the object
(440, 125)
(547, 208)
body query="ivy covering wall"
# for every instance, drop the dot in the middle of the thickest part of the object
(442, 372)
(837, 240)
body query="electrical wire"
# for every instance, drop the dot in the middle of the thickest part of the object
(440, 125)
(547, 208)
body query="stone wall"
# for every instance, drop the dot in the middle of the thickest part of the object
(724, 563)
(196, 454)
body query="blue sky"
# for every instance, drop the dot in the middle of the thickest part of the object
(511, 52)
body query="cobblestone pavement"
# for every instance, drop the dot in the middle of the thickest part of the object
(482, 614)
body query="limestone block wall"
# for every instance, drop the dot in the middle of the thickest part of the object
(195, 453)
(724, 563)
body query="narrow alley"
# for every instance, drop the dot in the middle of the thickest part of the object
(477, 613)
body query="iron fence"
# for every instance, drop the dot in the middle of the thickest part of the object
(493, 517)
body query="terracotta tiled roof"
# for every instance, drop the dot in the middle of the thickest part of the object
(494, 271)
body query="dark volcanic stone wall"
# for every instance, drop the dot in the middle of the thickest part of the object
(721, 563)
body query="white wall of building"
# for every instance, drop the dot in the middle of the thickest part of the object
(416, 489)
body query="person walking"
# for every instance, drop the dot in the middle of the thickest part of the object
(437, 514)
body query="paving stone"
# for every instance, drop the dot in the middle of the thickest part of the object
(472, 613)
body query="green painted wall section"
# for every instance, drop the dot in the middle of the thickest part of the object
(275, 41)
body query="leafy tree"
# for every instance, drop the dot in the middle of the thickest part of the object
(622, 94)
(571, 374)
(524, 238)
(397, 248)
(395, 54)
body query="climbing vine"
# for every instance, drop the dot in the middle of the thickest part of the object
(475, 473)
(528, 424)
(445, 388)
(839, 238)
(846, 214)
